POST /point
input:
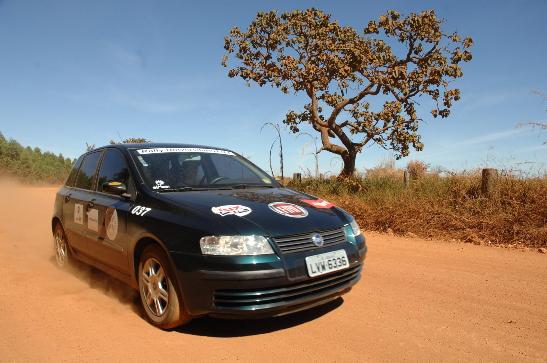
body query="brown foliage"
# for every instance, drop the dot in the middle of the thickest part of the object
(416, 169)
(339, 69)
(445, 207)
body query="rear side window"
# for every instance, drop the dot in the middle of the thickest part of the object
(72, 176)
(85, 176)
(113, 168)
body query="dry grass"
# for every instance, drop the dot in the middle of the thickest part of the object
(449, 207)
(416, 169)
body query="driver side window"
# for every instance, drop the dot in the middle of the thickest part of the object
(113, 169)
(190, 170)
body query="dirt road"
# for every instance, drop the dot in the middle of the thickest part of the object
(418, 300)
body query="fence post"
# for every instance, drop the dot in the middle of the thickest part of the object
(297, 177)
(406, 178)
(489, 176)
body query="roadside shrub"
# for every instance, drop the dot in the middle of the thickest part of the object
(448, 207)
(416, 169)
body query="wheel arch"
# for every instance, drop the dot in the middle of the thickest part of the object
(54, 221)
(140, 245)
(142, 242)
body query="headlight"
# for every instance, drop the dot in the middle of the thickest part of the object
(235, 245)
(355, 227)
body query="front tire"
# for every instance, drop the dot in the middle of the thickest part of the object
(160, 297)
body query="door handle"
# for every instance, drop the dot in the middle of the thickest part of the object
(67, 198)
(90, 204)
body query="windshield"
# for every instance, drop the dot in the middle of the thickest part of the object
(185, 168)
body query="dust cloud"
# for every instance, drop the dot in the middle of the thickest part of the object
(23, 220)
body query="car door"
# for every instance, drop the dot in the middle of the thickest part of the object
(109, 242)
(80, 217)
(68, 202)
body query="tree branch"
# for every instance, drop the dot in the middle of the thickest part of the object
(350, 101)
(314, 108)
(380, 132)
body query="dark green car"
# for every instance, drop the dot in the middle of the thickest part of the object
(203, 231)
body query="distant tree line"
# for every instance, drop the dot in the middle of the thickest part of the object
(32, 164)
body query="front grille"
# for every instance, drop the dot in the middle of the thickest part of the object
(262, 298)
(302, 242)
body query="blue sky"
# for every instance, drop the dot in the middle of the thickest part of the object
(73, 72)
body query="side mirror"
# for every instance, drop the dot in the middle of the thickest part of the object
(114, 187)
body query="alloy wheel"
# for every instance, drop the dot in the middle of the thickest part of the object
(61, 248)
(155, 287)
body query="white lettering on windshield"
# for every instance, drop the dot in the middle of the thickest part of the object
(162, 150)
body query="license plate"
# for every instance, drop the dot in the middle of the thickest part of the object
(327, 262)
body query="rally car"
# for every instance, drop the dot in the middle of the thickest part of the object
(199, 231)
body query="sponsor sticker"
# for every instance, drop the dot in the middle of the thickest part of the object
(141, 159)
(79, 213)
(161, 150)
(318, 203)
(93, 219)
(111, 223)
(288, 209)
(232, 209)
(160, 184)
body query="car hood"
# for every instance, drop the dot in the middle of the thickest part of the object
(261, 219)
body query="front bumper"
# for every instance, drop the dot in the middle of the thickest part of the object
(262, 286)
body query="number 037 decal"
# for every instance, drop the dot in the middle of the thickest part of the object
(140, 210)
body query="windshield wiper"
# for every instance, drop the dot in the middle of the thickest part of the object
(181, 189)
(245, 186)
(227, 187)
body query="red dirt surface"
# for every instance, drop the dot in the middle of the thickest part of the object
(417, 300)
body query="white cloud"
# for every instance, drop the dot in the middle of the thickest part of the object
(143, 103)
(126, 57)
(490, 99)
(531, 148)
(466, 145)
(493, 136)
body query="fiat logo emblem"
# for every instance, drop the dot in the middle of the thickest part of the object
(317, 239)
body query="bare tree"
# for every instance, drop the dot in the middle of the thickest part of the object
(271, 148)
(89, 147)
(541, 125)
(315, 153)
(278, 130)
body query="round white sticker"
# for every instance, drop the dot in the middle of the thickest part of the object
(111, 223)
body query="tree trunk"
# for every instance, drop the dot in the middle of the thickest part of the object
(349, 164)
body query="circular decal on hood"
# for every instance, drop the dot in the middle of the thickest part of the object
(111, 223)
(288, 209)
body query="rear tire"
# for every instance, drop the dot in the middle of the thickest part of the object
(158, 289)
(60, 246)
